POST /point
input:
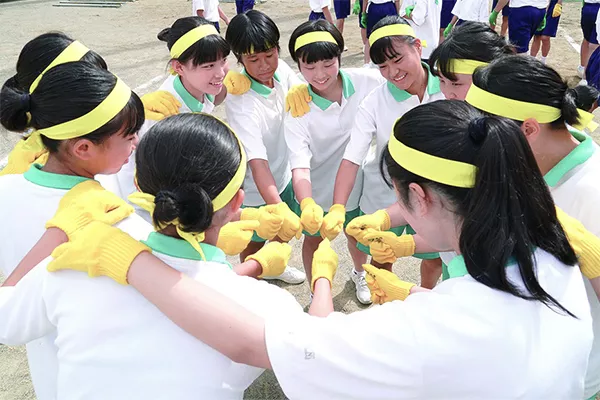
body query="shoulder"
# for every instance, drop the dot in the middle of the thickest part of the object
(11, 181)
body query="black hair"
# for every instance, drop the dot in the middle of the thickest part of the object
(38, 53)
(383, 49)
(210, 49)
(527, 79)
(66, 92)
(470, 41)
(185, 161)
(252, 32)
(508, 213)
(318, 51)
(585, 97)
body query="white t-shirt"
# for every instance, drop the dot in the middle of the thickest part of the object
(375, 119)
(528, 3)
(425, 21)
(210, 7)
(472, 10)
(318, 139)
(114, 344)
(257, 117)
(462, 341)
(318, 5)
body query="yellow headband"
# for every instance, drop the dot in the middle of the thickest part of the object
(112, 105)
(460, 66)
(191, 37)
(521, 110)
(437, 169)
(73, 52)
(394, 30)
(314, 37)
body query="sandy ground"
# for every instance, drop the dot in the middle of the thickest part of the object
(126, 38)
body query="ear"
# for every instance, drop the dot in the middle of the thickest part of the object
(531, 129)
(418, 47)
(177, 67)
(237, 201)
(83, 149)
(419, 199)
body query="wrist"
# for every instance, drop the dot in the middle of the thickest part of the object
(338, 208)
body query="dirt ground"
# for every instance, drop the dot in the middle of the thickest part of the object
(126, 38)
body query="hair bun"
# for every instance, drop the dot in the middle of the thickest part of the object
(25, 101)
(478, 129)
(163, 35)
(166, 206)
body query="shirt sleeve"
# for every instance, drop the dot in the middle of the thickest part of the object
(484, 12)
(199, 5)
(456, 9)
(419, 13)
(297, 139)
(362, 134)
(288, 75)
(244, 119)
(23, 315)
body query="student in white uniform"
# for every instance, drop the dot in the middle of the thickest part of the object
(101, 143)
(317, 140)
(210, 11)
(397, 51)
(257, 117)
(516, 296)
(526, 18)
(192, 187)
(320, 9)
(424, 17)
(468, 10)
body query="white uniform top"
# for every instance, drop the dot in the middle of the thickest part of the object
(425, 21)
(472, 10)
(592, 1)
(376, 117)
(257, 117)
(114, 344)
(528, 3)
(122, 183)
(28, 202)
(318, 5)
(317, 140)
(462, 341)
(210, 7)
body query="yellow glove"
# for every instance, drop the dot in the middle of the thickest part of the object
(324, 264)
(236, 83)
(270, 222)
(100, 250)
(585, 244)
(291, 226)
(333, 222)
(273, 258)
(385, 285)
(557, 11)
(297, 100)
(25, 153)
(357, 228)
(386, 247)
(160, 105)
(86, 202)
(312, 215)
(234, 237)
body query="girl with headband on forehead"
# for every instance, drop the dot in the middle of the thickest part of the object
(316, 141)
(88, 120)
(397, 52)
(514, 276)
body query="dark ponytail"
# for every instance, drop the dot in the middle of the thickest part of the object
(584, 96)
(185, 161)
(508, 214)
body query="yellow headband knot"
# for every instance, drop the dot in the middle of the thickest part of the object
(191, 37)
(73, 52)
(314, 37)
(467, 67)
(394, 30)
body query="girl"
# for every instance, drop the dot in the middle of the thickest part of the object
(320, 9)
(542, 38)
(589, 15)
(424, 17)
(505, 16)
(514, 290)
(446, 17)
(107, 117)
(397, 52)
(316, 141)
(526, 17)
(374, 11)
(468, 10)
(258, 118)
(210, 11)
(191, 168)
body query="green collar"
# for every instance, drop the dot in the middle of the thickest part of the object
(258, 87)
(347, 91)
(181, 249)
(433, 87)
(55, 181)
(577, 156)
(458, 268)
(193, 103)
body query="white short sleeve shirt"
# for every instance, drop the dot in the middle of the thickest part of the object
(425, 21)
(528, 3)
(210, 8)
(318, 5)
(472, 10)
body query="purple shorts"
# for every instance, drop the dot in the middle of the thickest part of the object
(244, 5)
(592, 71)
(589, 12)
(505, 9)
(551, 22)
(376, 12)
(446, 16)
(342, 8)
(313, 16)
(522, 24)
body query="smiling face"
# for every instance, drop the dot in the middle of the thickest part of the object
(405, 68)
(262, 66)
(204, 78)
(456, 90)
(321, 74)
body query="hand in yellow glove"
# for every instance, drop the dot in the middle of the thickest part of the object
(234, 237)
(333, 222)
(25, 153)
(312, 215)
(291, 226)
(273, 258)
(357, 228)
(236, 83)
(88, 201)
(160, 105)
(385, 285)
(557, 11)
(386, 247)
(270, 221)
(297, 100)
(585, 244)
(324, 264)
(100, 250)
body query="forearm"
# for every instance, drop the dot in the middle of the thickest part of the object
(454, 20)
(250, 268)
(301, 183)
(200, 13)
(261, 173)
(224, 17)
(328, 15)
(322, 301)
(344, 182)
(396, 218)
(500, 5)
(596, 285)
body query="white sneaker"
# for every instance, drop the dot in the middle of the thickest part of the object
(291, 275)
(363, 294)
(581, 71)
